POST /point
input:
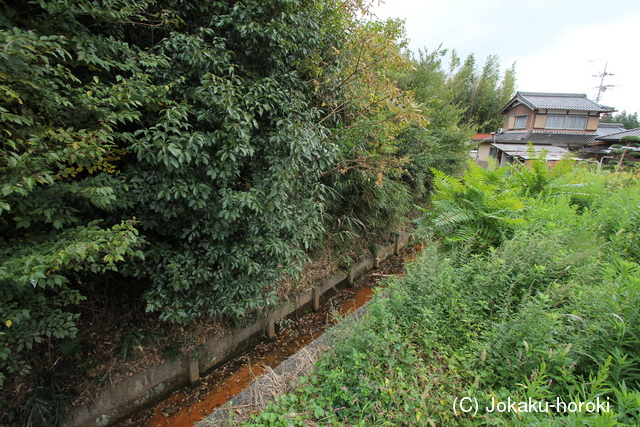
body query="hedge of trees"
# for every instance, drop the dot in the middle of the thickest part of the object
(201, 149)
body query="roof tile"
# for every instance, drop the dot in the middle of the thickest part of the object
(545, 138)
(618, 135)
(558, 101)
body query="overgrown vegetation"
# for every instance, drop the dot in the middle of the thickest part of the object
(548, 313)
(189, 155)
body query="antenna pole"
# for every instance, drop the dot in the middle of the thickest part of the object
(602, 87)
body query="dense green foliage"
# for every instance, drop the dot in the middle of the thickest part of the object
(192, 125)
(227, 177)
(630, 121)
(479, 210)
(442, 142)
(549, 312)
(481, 94)
(475, 208)
(365, 194)
(194, 152)
(64, 100)
(391, 130)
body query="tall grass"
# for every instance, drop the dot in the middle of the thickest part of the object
(551, 312)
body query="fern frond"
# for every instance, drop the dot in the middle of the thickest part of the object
(479, 207)
(444, 183)
(451, 219)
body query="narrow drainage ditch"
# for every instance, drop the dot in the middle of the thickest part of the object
(186, 407)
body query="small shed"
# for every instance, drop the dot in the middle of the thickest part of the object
(509, 153)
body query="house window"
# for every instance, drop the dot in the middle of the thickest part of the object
(521, 122)
(566, 122)
(576, 122)
(555, 122)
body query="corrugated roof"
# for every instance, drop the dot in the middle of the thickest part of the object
(557, 101)
(522, 150)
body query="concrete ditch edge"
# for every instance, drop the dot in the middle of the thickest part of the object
(265, 387)
(148, 387)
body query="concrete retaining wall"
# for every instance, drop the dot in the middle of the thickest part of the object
(146, 388)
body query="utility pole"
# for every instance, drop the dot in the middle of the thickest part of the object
(602, 87)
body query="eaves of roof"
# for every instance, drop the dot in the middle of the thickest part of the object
(590, 150)
(562, 138)
(609, 128)
(603, 150)
(556, 101)
(619, 135)
(545, 138)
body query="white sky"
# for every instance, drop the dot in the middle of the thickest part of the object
(558, 45)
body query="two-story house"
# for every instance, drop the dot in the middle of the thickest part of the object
(554, 122)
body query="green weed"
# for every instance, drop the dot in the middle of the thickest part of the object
(549, 311)
(134, 338)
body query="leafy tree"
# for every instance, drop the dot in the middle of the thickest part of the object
(481, 94)
(394, 118)
(364, 105)
(442, 142)
(630, 121)
(368, 112)
(488, 96)
(63, 102)
(628, 140)
(463, 86)
(227, 176)
(196, 124)
(508, 85)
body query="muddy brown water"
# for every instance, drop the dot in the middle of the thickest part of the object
(185, 407)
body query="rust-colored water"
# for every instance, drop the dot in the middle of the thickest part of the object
(288, 342)
(362, 295)
(185, 407)
(228, 387)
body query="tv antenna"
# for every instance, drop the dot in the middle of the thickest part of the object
(603, 87)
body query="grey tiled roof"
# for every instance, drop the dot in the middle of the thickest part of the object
(618, 135)
(545, 138)
(609, 128)
(562, 139)
(557, 101)
(509, 136)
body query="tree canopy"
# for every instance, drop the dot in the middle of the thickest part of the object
(198, 150)
(193, 124)
(630, 121)
(481, 93)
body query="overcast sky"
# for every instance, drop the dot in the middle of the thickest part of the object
(557, 45)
